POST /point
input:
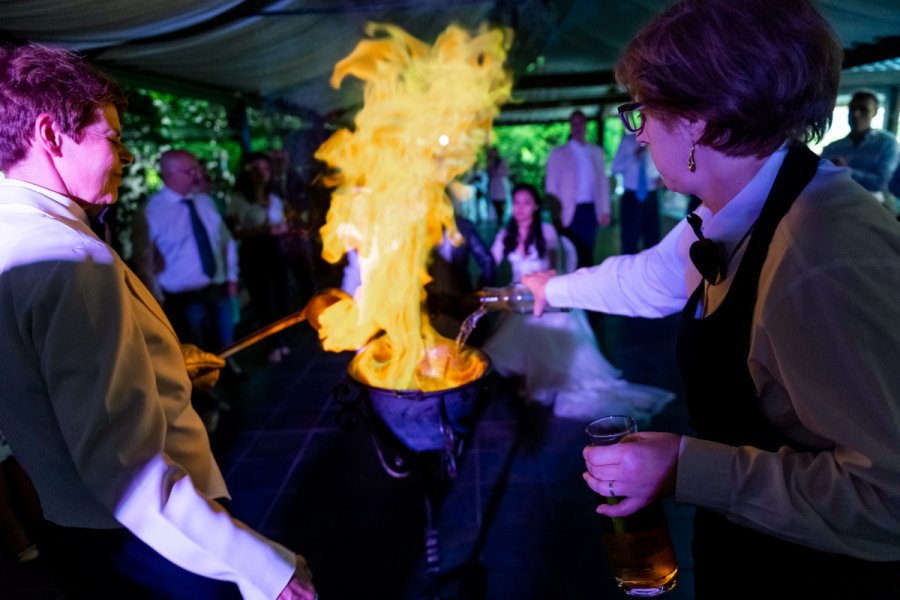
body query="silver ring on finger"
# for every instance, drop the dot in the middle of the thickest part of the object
(612, 492)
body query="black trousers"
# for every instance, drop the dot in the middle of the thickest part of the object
(638, 221)
(96, 564)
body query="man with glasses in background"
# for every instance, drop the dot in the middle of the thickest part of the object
(194, 260)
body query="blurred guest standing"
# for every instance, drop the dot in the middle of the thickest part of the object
(198, 272)
(195, 263)
(871, 154)
(639, 206)
(300, 245)
(259, 223)
(576, 177)
(94, 393)
(498, 183)
(788, 341)
(557, 356)
(20, 509)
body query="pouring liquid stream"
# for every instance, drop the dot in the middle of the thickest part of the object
(465, 330)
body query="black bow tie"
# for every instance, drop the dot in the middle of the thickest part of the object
(705, 254)
(98, 223)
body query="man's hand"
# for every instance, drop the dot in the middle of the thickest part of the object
(537, 282)
(300, 587)
(202, 367)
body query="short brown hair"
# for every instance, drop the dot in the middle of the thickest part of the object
(38, 79)
(758, 72)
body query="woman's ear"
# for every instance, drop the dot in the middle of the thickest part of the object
(695, 128)
(46, 135)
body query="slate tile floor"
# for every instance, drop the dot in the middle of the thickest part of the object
(517, 523)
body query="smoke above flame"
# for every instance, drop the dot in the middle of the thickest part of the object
(427, 111)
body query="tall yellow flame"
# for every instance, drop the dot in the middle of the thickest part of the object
(427, 111)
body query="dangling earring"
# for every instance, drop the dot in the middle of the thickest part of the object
(692, 166)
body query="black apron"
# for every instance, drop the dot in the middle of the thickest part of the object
(731, 561)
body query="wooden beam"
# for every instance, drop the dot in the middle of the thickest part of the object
(565, 80)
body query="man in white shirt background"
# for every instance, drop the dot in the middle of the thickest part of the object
(197, 296)
(576, 178)
(639, 205)
(195, 266)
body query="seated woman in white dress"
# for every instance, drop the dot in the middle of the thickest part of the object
(557, 354)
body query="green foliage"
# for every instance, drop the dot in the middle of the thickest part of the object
(526, 148)
(613, 130)
(156, 122)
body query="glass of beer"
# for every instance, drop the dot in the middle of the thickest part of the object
(639, 546)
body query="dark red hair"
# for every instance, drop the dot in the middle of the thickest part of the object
(38, 79)
(758, 72)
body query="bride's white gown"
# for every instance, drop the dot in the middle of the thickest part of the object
(557, 353)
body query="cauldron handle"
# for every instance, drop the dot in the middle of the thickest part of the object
(353, 411)
(399, 469)
(449, 453)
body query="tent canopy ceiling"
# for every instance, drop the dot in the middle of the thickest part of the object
(282, 52)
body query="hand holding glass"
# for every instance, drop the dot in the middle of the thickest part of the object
(639, 546)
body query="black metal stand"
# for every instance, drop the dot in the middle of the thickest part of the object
(434, 469)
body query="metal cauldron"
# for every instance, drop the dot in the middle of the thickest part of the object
(420, 421)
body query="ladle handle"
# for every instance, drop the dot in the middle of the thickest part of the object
(261, 334)
(311, 312)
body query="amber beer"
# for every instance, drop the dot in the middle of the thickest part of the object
(639, 546)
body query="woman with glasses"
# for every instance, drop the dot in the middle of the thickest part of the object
(787, 278)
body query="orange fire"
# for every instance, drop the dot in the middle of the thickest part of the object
(427, 111)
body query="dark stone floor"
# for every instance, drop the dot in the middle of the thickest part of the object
(516, 523)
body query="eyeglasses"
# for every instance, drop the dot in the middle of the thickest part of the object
(632, 116)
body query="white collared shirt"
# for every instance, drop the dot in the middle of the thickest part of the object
(169, 225)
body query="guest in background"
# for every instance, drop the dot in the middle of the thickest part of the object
(300, 245)
(576, 177)
(498, 183)
(20, 509)
(870, 154)
(94, 391)
(639, 205)
(259, 222)
(195, 262)
(557, 357)
(789, 314)
(195, 254)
